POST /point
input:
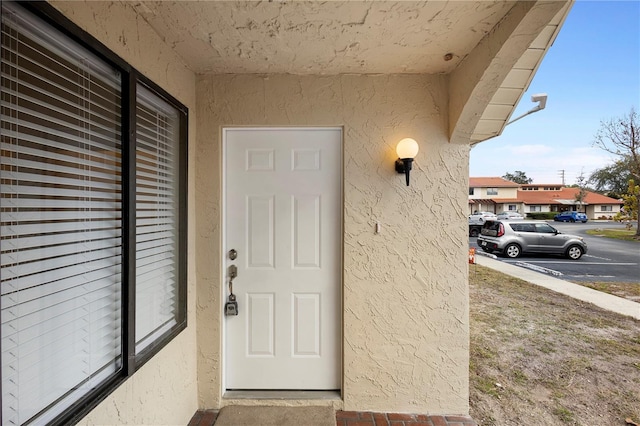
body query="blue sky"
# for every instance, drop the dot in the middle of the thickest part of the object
(591, 73)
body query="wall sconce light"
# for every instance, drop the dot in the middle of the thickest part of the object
(406, 149)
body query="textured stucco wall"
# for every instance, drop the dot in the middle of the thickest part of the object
(405, 290)
(164, 390)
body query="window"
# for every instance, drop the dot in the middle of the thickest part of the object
(523, 227)
(535, 208)
(492, 191)
(606, 208)
(156, 219)
(471, 191)
(92, 220)
(544, 228)
(512, 207)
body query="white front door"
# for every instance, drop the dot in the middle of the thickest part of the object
(283, 217)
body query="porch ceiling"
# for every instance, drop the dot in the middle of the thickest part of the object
(313, 37)
(479, 43)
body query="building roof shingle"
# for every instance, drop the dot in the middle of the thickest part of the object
(562, 196)
(491, 182)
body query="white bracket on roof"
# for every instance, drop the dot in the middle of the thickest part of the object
(541, 98)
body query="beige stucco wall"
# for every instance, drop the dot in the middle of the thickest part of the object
(163, 391)
(405, 290)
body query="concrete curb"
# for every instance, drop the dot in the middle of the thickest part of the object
(586, 294)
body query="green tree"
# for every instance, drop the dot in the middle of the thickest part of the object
(621, 136)
(631, 198)
(612, 180)
(517, 177)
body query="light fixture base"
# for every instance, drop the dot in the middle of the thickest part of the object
(403, 166)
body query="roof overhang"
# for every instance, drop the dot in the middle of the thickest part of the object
(481, 201)
(485, 89)
(498, 112)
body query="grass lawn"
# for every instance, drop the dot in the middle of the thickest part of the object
(619, 234)
(542, 358)
(629, 291)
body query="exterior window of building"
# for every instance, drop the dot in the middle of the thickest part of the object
(512, 207)
(606, 208)
(157, 168)
(492, 191)
(471, 190)
(535, 208)
(82, 204)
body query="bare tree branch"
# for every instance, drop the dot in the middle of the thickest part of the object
(621, 137)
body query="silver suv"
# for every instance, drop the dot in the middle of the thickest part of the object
(512, 238)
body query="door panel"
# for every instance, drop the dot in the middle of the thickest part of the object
(260, 231)
(306, 227)
(283, 216)
(306, 323)
(548, 240)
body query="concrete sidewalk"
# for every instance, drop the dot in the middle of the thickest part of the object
(586, 294)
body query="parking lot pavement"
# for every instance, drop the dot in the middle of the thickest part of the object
(606, 260)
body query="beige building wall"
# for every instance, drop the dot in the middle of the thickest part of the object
(406, 338)
(507, 193)
(502, 193)
(594, 211)
(504, 207)
(164, 390)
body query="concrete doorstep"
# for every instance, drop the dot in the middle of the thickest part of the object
(240, 415)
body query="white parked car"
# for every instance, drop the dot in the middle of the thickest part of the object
(510, 216)
(478, 218)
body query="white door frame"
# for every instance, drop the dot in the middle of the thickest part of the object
(224, 249)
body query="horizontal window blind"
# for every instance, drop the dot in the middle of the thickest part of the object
(157, 142)
(60, 213)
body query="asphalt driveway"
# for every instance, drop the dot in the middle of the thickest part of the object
(607, 259)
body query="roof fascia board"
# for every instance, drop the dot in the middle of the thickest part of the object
(475, 81)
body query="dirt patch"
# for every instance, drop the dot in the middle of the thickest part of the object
(541, 358)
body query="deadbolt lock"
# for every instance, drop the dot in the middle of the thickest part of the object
(233, 254)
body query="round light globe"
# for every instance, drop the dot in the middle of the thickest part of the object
(407, 148)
